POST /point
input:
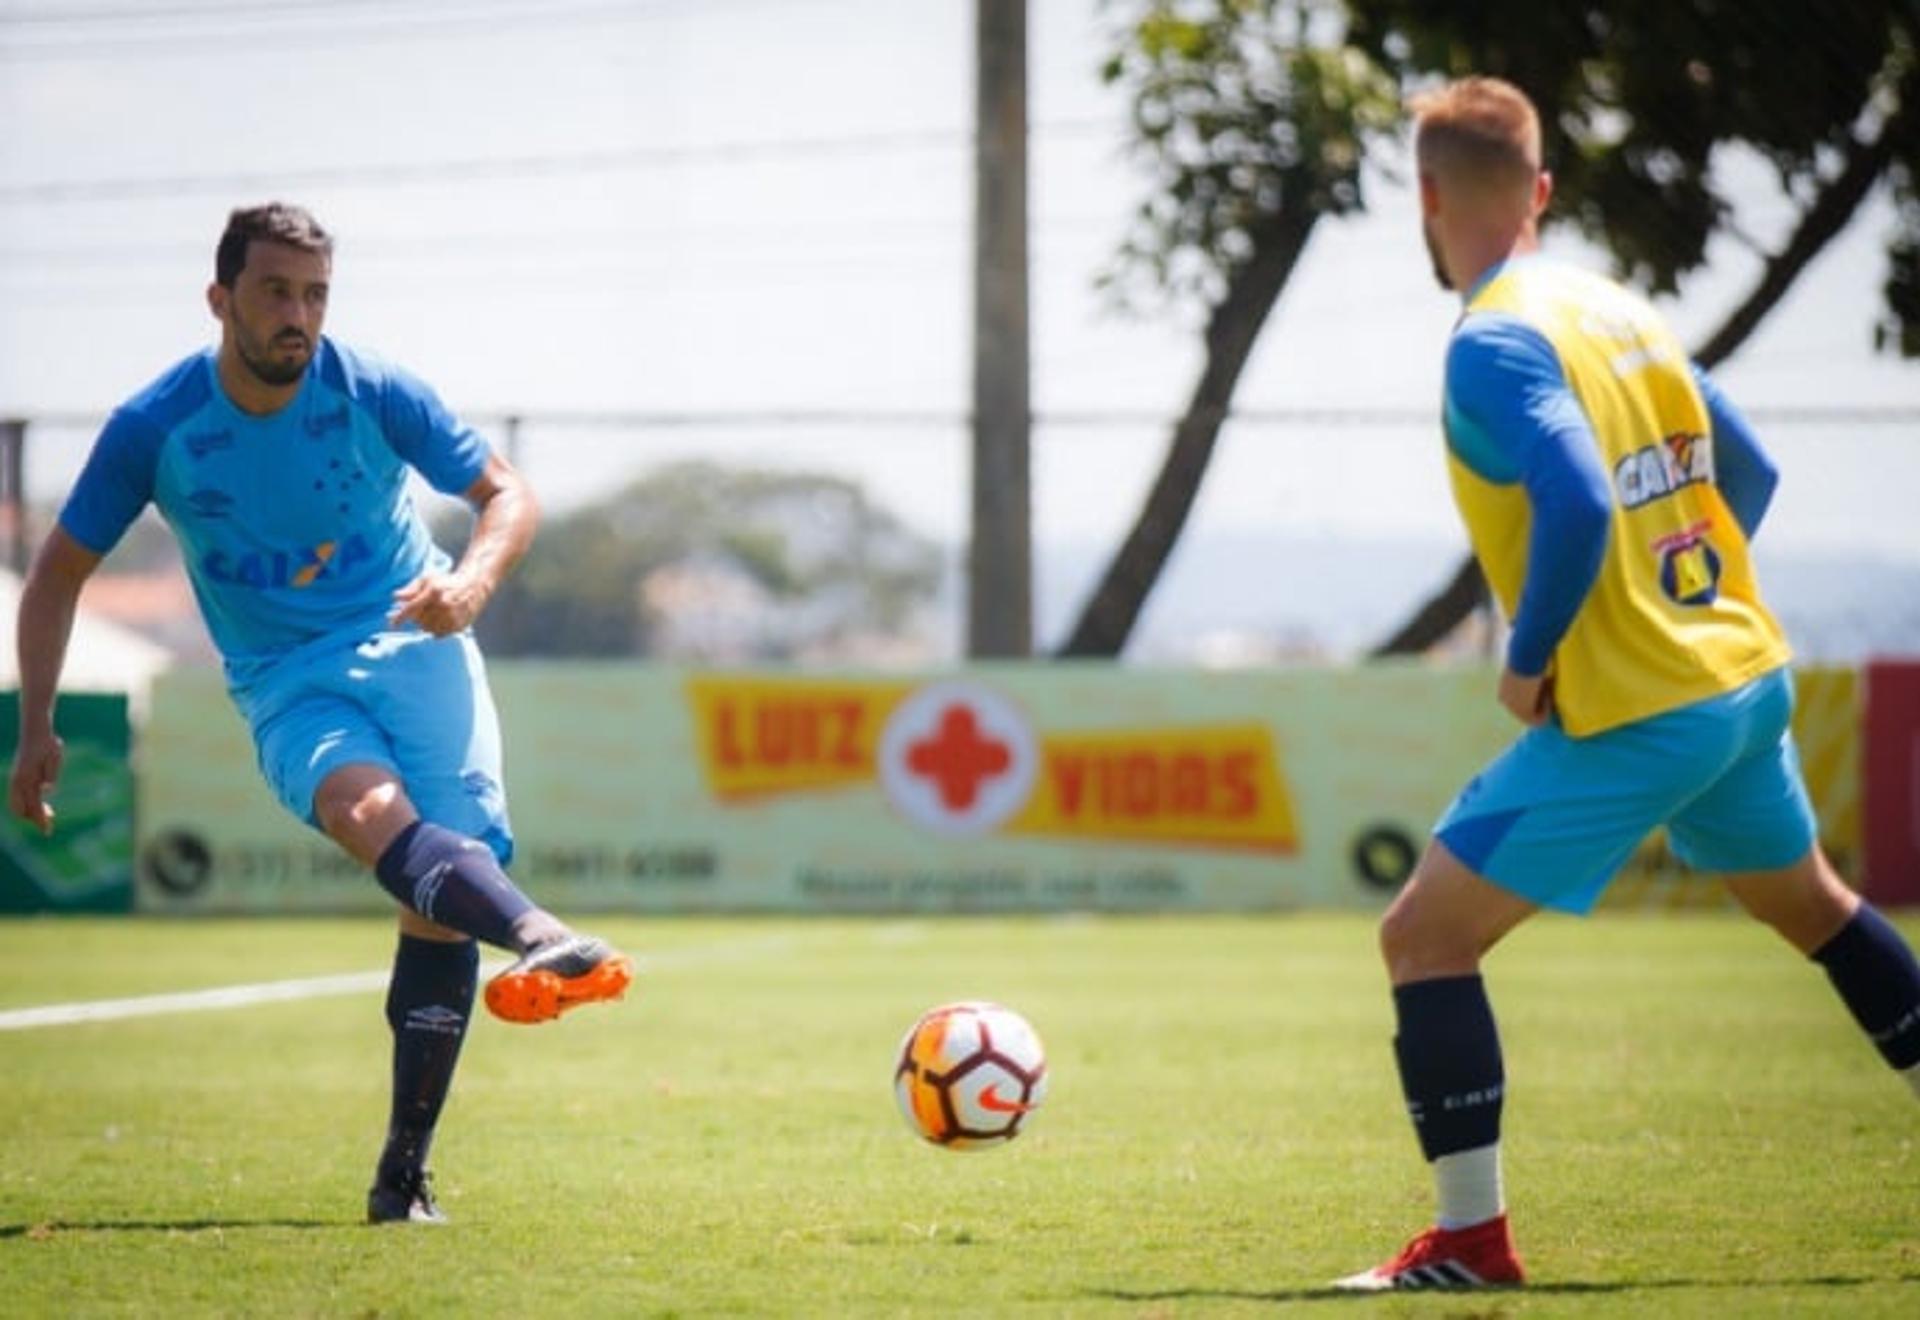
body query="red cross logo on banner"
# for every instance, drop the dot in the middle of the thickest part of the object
(958, 758)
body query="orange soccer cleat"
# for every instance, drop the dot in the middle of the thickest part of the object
(554, 977)
(1481, 1256)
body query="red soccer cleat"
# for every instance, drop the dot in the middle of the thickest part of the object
(1478, 1257)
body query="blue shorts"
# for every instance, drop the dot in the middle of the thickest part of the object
(409, 701)
(1553, 818)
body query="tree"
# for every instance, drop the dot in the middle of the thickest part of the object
(1256, 116)
(822, 560)
(1255, 122)
(1641, 99)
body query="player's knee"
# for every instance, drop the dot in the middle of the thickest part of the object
(1402, 935)
(359, 812)
(1806, 903)
(1417, 944)
(340, 807)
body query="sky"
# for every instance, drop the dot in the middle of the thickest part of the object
(711, 209)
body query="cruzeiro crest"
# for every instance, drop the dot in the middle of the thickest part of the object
(1689, 566)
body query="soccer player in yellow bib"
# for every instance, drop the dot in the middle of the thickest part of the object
(1610, 492)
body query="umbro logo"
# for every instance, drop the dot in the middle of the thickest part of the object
(202, 443)
(209, 503)
(437, 1019)
(318, 424)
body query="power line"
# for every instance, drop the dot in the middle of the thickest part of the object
(545, 165)
(558, 247)
(70, 15)
(1270, 418)
(241, 23)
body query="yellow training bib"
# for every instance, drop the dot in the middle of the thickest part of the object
(1675, 615)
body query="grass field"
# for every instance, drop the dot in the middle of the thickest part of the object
(1694, 1127)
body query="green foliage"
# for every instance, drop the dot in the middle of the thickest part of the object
(1694, 1128)
(826, 560)
(1899, 330)
(1639, 98)
(1244, 111)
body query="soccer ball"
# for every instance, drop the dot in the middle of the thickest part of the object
(969, 1075)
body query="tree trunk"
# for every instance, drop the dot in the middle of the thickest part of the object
(1867, 162)
(1822, 222)
(1465, 592)
(1109, 616)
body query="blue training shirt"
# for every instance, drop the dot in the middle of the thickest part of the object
(297, 525)
(1511, 416)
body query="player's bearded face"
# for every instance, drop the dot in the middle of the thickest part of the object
(276, 309)
(276, 358)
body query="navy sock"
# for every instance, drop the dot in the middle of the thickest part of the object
(1877, 977)
(449, 878)
(1449, 1054)
(428, 1002)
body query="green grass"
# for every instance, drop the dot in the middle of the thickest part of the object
(1694, 1127)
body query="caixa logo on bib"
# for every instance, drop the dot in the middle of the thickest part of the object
(1689, 566)
(958, 759)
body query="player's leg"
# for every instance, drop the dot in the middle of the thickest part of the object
(331, 765)
(429, 1005)
(1546, 825)
(1447, 1048)
(363, 807)
(432, 701)
(333, 769)
(1756, 825)
(1871, 967)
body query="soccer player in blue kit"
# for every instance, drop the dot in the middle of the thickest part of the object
(1610, 491)
(280, 460)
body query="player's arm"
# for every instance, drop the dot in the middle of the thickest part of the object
(456, 460)
(48, 601)
(112, 489)
(506, 518)
(1741, 469)
(1513, 418)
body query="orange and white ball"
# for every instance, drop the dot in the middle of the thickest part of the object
(970, 1075)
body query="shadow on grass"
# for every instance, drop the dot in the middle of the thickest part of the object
(57, 1227)
(1570, 1288)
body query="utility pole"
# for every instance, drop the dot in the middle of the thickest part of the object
(1000, 558)
(13, 493)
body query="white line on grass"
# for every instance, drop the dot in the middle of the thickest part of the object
(354, 983)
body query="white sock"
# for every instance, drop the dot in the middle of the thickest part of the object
(1468, 1183)
(1913, 1077)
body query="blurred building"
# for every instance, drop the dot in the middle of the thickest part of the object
(103, 655)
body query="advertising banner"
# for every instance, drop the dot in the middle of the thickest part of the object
(1015, 787)
(86, 865)
(992, 788)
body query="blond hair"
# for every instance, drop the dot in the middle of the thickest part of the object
(1479, 133)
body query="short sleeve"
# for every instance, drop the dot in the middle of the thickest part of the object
(116, 483)
(448, 453)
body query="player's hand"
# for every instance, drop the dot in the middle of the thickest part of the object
(1529, 700)
(36, 769)
(441, 603)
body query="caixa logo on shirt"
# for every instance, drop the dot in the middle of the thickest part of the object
(266, 569)
(1657, 470)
